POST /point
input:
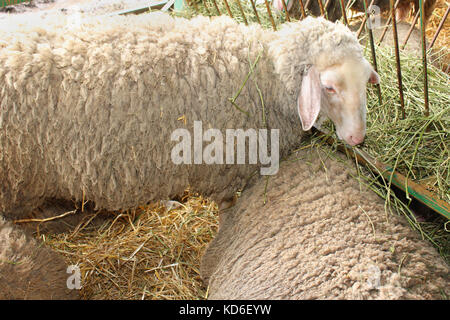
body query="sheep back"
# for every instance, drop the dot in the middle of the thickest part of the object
(87, 111)
(319, 236)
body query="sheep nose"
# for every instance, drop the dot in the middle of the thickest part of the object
(357, 139)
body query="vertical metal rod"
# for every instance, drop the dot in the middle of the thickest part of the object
(302, 8)
(384, 30)
(322, 12)
(217, 7)
(387, 24)
(397, 58)
(242, 12)
(441, 24)
(307, 4)
(343, 10)
(256, 11)
(286, 10)
(361, 27)
(364, 21)
(349, 4)
(424, 57)
(372, 49)
(413, 24)
(270, 15)
(228, 8)
(325, 8)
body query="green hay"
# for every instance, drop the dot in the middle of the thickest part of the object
(417, 146)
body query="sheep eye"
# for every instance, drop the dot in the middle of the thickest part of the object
(330, 90)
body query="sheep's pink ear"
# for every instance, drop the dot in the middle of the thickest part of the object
(374, 77)
(308, 101)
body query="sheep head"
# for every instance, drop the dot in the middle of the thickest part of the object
(322, 68)
(338, 91)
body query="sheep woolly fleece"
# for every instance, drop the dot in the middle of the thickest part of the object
(88, 109)
(29, 270)
(319, 237)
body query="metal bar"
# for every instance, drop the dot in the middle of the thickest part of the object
(286, 10)
(361, 27)
(424, 57)
(217, 7)
(302, 8)
(410, 30)
(138, 10)
(344, 13)
(364, 21)
(242, 12)
(349, 4)
(416, 190)
(441, 24)
(384, 31)
(256, 11)
(168, 5)
(372, 49)
(326, 8)
(269, 12)
(228, 8)
(387, 25)
(397, 59)
(322, 12)
(5, 3)
(307, 4)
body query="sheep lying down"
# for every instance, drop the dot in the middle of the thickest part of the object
(319, 236)
(29, 270)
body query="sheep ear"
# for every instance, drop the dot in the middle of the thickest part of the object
(374, 77)
(308, 101)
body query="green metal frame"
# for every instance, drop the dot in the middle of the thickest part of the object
(179, 5)
(5, 3)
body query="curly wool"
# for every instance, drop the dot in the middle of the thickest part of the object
(28, 270)
(87, 110)
(320, 235)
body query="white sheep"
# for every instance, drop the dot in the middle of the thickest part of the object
(88, 109)
(320, 235)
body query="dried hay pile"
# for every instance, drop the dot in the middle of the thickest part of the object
(149, 253)
(443, 40)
